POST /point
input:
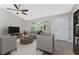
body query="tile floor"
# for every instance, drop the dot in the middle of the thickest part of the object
(61, 48)
(29, 49)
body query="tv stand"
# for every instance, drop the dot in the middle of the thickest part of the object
(15, 34)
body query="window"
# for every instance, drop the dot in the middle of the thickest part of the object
(36, 26)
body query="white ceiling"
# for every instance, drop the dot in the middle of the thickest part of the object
(41, 10)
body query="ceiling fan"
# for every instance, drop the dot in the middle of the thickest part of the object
(18, 10)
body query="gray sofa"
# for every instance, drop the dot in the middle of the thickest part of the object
(45, 42)
(7, 43)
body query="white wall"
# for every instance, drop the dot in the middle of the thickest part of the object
(75, 7)
(29, 23)
(8, 19)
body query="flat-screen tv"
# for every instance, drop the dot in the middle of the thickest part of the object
(12, 29)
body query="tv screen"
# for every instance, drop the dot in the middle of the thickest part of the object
(12, 29)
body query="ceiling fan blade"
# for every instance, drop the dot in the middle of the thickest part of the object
(24, 13)
(11, 9)
(19, 5)
(25, 10)
(16, 6)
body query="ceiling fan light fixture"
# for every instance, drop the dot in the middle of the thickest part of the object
(19, 12)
